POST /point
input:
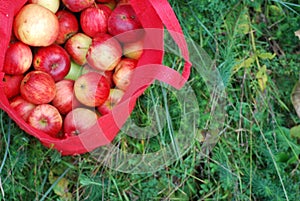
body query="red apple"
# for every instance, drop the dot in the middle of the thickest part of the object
(115, 95)
(123, 73)
(46, 118)
(103, 1)
(78, 121)
(91, 89)
(111, 4)
(38, 87)
(68, 26)
(12, 85)
(77, 46)
(104, 53)
(22, 107)
(124, 24)
(107, 74)
(64, 99)
(93, 20)
(133, 50)
(77, 5)
(36, 25)
(52, 5)
(52, 59)
(18, 58)
(74, 72)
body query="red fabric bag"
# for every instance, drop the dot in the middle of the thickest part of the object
(156, 16)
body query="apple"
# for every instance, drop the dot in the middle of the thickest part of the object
(77, 46)
(115, 96)
(22, 107)
(123, 73)
(18, 58)
(74, 72)
(133, 50)
(111, 4)
(78, 121)
(36, 25)
(12, 85)
(68, 26)
(46, 118)
(52, 5)
(38, 87)
(93, 20)
(124, 24)
(91, 89)
(77, 5)
(64, 99)
(52, 59)
(107, 74)
(104, 53)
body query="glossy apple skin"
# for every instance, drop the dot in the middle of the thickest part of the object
(91, 89)
(78, 121)
(52, 5)
(123, 73)
(77, 46)
(35, 25)
(12, 85)
(93, 20)
(18, 58)
(22, 107)
(115, 96)
(54, 60)
(46, 118)
(107, 74)
(124, 24)
(133, 50)
(68, 26)
(64, 97)
(77, 5)
(104, 53)
(38, 87)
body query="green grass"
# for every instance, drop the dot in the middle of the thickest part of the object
(255, 158)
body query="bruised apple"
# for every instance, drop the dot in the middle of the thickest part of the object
(78, 121)
(123, 73)
(36, 25)
(22, 106)
(18, 58)
(38, 87)
(52, 59)
(46, 118)
(91, 89)
(104, 53)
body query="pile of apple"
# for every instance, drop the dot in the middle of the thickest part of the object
(70, 61)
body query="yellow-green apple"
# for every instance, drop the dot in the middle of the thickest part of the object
(93, 20)
(52, 5)
(68, 26)
(124, 24)
(46, 118)
(52, 59)
(91, 89)
(38, 87)
(36, 25)
(77, 5)
(77, 46)
(123, 73)
(133, 50)
(115, 96)
(78, 121)
(12, 85)
(74, 72)
(104, 53)
(64, 99)
(22, 106)
(18, 58)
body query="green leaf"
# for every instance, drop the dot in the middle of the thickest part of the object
(262, 77)
(61, 188)
(295, 132)
(266, 55)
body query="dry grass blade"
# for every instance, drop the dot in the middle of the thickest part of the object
(296, 98)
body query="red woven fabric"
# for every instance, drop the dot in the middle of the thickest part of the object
(154, 15)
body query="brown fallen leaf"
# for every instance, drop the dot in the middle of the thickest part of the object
(296, 98)
(297, 33)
